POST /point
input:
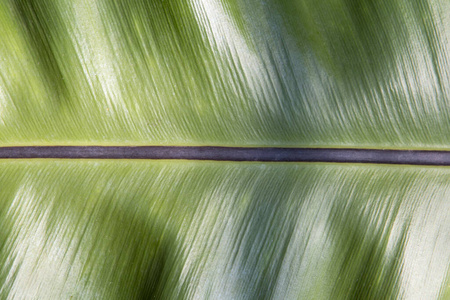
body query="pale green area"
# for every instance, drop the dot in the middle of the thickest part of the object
(312, 73)
(325, 73)
(207, 230)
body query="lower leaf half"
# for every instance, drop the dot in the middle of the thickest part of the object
(129, 229)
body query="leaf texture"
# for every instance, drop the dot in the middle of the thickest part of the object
(113, 230)
(276, 73)
(196, 72)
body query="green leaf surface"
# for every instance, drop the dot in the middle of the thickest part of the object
(289, 73)
(114, 230)
(340, 73)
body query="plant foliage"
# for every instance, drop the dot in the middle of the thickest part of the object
(289, 73)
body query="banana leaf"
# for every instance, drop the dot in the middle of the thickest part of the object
(274, 73)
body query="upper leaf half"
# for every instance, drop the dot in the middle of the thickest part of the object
(340, 73)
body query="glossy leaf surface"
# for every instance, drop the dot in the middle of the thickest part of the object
(206, 72)
(114, 230)
(302, 73)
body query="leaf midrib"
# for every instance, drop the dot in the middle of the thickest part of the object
(215, 153)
